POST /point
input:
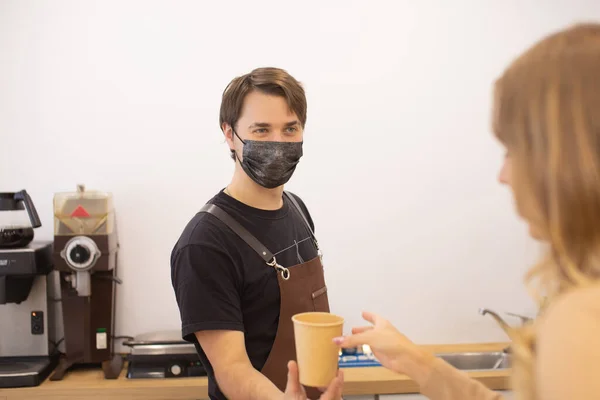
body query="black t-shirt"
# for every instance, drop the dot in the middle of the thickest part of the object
(221, 283)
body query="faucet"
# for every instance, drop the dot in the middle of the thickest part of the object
(503, 324)
(524, 319)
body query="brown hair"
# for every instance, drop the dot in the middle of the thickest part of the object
(546, 114)
(269, 80)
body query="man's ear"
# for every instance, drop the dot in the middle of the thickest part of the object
(228, 133)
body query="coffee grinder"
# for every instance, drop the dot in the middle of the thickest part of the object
(28, 347)
(85, 254)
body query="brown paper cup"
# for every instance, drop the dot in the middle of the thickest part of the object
(316, 353)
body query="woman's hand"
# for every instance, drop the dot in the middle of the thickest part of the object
(295, 391)
(391, 348)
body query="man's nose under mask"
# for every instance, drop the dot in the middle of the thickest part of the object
(269, 164)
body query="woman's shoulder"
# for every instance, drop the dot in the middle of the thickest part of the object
(573, 307)
(582, 299)
(567, 345)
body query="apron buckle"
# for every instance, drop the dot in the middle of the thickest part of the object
(285, 273)
(319, 252)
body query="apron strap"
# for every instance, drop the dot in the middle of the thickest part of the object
(238, 229)
(299, 209)
(297, 206)
(247, 237)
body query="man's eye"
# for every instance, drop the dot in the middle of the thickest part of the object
(260, 130)
(292, 129)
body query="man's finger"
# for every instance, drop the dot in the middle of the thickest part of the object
(338, 388)
(293, 380)
(335, 389)
(340, 385)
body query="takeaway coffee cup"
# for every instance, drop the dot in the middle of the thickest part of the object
(316, 353)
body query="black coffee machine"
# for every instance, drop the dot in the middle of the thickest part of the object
(16, 226)
(28, 348)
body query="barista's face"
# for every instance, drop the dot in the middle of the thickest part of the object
(265, 118)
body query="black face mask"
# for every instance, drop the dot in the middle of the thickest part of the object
(269, 164)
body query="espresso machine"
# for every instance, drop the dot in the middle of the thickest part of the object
(85, 254)
(28, 325)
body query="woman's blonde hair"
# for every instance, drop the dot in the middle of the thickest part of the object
(547, 114)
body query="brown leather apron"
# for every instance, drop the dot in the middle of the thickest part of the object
(302, 288)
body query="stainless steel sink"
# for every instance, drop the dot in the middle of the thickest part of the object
(477, 361)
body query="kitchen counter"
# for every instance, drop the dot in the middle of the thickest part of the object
(90, 384)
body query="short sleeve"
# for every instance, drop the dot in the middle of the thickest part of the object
(568, 350)
(304, 210)
(207, 290)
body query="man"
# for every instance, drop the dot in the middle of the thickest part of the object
(249, 259)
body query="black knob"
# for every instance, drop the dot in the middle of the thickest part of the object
(80, 254)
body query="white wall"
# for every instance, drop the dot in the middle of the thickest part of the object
(400, 165)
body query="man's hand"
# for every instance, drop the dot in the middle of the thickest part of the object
(235, 375)
(295, 391)
(238, 379)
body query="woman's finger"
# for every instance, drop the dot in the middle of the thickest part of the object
(371, 317)
(353, 340)
(361, 329)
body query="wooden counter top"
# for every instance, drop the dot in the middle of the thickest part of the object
(90, 384)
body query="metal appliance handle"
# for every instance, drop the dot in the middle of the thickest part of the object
(31, 211)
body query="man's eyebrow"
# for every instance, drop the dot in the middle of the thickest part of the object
(260, 125)
(268, 125)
